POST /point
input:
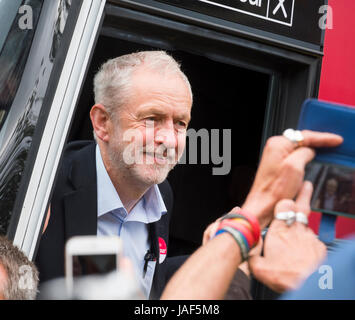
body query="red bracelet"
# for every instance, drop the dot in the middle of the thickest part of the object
(244, 222)
(242, 229)
(253, 222)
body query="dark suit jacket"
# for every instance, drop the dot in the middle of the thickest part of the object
(74, 213)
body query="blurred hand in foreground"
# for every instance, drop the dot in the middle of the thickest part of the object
(291, 253)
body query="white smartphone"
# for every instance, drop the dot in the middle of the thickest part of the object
(90, 255)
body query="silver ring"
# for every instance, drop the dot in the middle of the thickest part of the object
(295, 136)
(302, 218)
(288, 216)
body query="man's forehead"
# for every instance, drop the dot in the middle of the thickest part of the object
(182, 111)
(152, 81)
(154, 91)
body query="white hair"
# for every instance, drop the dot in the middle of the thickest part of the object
(112, 83)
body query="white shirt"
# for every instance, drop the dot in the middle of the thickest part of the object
(132, 228)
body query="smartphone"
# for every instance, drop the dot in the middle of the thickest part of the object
(332, 172)
(334, 188)
(90, 255)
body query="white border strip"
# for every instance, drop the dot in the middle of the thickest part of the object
(253, 14)
(58, 122)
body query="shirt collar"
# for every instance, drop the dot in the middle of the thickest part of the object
(107, 196)
(149, 209)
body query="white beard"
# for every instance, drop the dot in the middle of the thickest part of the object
(146, 174)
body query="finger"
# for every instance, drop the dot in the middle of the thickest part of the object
(210, 232)
(282, 206)
(234, 210)
(278, 143)
(315, 139)
(300, 157)
(304, 198)
(256, 251)
(213, 227)
(285, 205)
(257, 266)
(206, 235)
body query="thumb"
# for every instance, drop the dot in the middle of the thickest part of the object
(264, 273)
(256, 251)
(256, 265)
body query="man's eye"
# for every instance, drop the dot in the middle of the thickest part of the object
(150, 120)
(182, 124)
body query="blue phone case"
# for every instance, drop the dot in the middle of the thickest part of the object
(335, 118)
(329, 117)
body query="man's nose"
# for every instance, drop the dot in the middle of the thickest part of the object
(167, 137)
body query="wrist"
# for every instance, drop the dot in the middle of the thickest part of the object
(244, 228)
(261, 205)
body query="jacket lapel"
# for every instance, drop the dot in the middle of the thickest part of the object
(80, 205)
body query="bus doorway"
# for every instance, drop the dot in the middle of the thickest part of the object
(223, 100)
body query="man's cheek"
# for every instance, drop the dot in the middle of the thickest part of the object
(149, 140)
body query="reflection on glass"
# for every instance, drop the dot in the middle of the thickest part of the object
(334, 188)
(62, 15)
(22, 93)
(8, 11)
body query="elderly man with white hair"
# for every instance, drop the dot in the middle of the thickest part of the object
(117, 185)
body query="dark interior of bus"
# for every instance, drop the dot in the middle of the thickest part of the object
(224, 98)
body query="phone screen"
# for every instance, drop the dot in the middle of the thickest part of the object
(334, 188)
(93, 264)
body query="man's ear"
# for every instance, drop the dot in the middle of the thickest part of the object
(100, 120)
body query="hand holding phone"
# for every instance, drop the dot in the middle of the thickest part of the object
(332, 172)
